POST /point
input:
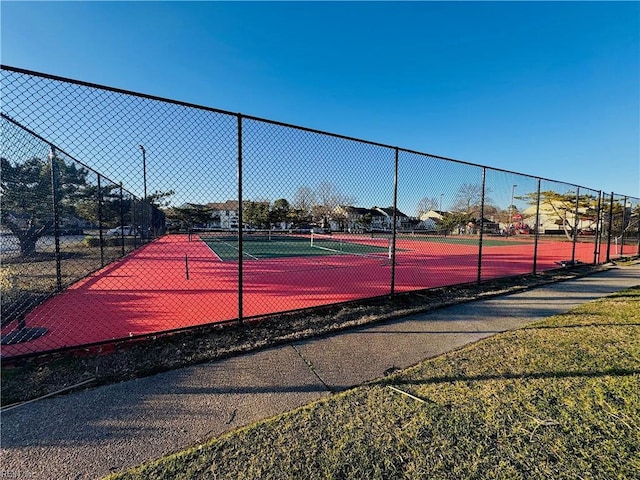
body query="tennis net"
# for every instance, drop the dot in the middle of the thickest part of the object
(352, 245)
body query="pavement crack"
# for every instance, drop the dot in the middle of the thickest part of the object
(312, 368)
(233, 416)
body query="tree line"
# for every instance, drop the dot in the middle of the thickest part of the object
(27, 194)
(32, 196)
(309, 206)
(468, 207)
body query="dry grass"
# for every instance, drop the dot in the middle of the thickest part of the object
(557, 400)
(28, 281)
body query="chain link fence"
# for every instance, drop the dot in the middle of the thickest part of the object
(126, 215)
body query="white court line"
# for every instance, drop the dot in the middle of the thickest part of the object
(232, 246)
(212, 250)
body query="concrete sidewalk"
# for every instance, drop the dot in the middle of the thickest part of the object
(90, 434)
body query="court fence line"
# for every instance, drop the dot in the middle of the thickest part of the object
(64, 220)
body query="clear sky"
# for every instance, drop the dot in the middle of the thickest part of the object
(544, 88)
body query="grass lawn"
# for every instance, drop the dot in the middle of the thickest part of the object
(559, 399)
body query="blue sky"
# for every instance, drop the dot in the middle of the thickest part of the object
(544, 88)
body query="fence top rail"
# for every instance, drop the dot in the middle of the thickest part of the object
(44, 140)
(265, 120)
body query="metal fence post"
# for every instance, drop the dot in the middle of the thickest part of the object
(637, 229)
(484, 180)
(536, 231)
(624, 218)
(575, 226)
(100, 221)
(609, 229)
(145, 222)
(596, 243)
(56, 214)
(134, 223)
(122, 218)
(240, 226)
(394, 231)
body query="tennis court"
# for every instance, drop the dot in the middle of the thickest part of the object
(249, 171)
(273, 244)
(177, 282)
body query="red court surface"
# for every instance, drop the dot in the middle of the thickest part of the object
(148, 290)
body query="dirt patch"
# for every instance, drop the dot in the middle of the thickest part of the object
(28, 378)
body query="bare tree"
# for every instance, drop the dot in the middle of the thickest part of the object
(425, 205)
(469, 199)
(304, 199)
(327, 199)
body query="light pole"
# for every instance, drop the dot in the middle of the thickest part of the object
(144, 181)
(513, 187)
(441, 195)
(144, 170)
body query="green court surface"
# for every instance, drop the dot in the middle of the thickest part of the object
(454, 240)
(263, 246)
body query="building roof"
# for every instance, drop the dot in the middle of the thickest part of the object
(192, 205)
(229, 205)
(389, 211)
(434, 214)
(359, 211)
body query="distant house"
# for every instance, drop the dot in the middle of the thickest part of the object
(225, 214)
(433, 219)
(436, 215)
(491, 227)
(354, 219)
(551, 220)
(360, 219)
(427, 225)
(472, 227)
(403, 222)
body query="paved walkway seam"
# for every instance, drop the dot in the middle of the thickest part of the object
(312, 369)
